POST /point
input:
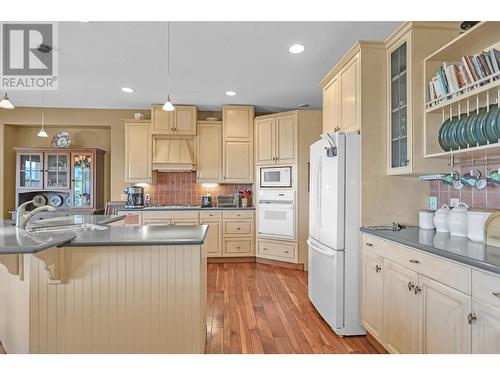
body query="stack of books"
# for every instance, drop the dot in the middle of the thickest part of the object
(452, 78)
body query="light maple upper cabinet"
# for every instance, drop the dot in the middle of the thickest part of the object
(342, 96)
(331, 106)
(350, 95)
(265, 145)
(406, 50)
(138, 153)
(238, 138)
(277, 138)
(181, 121)
(209, 152)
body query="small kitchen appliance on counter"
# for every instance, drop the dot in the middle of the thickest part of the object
(206, 200)
(135, 197)
(232, 200)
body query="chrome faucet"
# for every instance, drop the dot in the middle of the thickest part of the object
(22, 217)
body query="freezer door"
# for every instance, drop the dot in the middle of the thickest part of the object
(326, 282)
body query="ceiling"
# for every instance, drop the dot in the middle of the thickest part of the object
(96, 59)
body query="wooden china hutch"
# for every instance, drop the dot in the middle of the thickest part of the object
(72, 180)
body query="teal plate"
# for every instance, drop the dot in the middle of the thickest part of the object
(497, 121)
(469, 129)
(489, 127)
(452, 134)
(480, 127)
(491, 124)
(441, 141)
(461, 139)
(447, 134)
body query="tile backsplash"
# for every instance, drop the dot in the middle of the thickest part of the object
(486, 198)
(181, 188)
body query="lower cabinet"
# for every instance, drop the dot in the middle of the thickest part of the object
(444, 325)
(400, 309)
(231, 233)
(413, 304)
(372, 293)
(486, 328)
(213, 242)
(277, 250)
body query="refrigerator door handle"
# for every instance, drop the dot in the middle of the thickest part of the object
(317, 194)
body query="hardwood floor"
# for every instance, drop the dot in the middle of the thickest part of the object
(258, 308)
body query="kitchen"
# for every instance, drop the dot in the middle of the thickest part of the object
(352, 221)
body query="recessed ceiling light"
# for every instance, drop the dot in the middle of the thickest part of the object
(297, 48)
(127, 89)
(230, 93)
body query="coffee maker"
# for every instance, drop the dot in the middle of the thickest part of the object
(135, 197)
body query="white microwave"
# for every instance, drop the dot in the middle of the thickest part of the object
(279, 177)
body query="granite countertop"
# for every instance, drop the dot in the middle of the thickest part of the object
(183, 208)
(141, 236)
(14, 240)
(459, 249)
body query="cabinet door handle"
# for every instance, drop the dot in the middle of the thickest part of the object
(471, 318)
(417, 289)
(265, 248)
(286, 251)
(369, 244)
(238, 247)
(414, 261)
(238, 228)
(496, 294)
(410, 286)
(378, 268)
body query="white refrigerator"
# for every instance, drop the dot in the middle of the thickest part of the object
(334, 238)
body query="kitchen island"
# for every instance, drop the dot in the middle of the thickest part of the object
(91, 285)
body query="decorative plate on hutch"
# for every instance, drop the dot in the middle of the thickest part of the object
(61, 140)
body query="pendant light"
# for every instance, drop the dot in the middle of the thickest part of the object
(168, 106)
(5, 103)
(42, 133)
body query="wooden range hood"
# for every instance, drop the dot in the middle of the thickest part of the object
(173, 155)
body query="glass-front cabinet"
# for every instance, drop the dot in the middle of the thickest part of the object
(82, 179)
(399, 130)
(57, 173)
(29, 171)
(65, 178)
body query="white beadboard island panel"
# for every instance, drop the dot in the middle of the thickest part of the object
(122, 299)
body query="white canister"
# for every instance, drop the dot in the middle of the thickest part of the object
(441, 219)
(457, 220)
(476, 219)
(426, 219)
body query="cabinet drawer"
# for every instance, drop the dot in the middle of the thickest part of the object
(276, 250)
(188, 214)
(157, 222)
(238, 214)
(373, 244)
(237, 247)
(210, 215)
(486, 287)
(238, 228)
(446, 272)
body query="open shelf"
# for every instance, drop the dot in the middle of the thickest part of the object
(480, 94)
(489, 85)
(476, 152)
